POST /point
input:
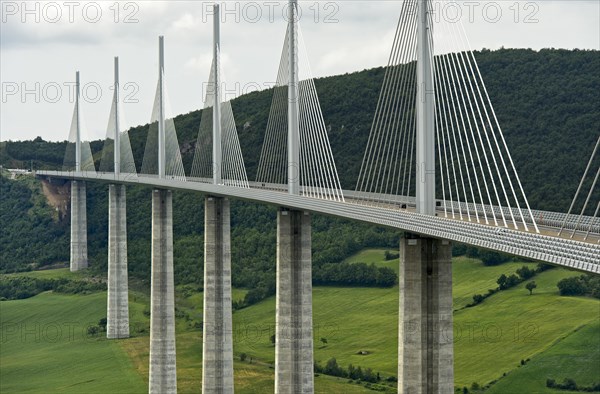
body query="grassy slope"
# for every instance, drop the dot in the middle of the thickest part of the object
(51, 274)
(374, 256)
(512, 325)
(255, 377)
(79, 364)
(352, 319)
(51, 353)
(467, 278)
(576, 356)
(491, 338)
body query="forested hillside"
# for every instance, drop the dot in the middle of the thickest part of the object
(34, 236)
(546, 101)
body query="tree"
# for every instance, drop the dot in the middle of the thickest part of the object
(478, 299)
(502, 281)
(352, 372)
(324, 340)
(390, 256)
(525, 273)
(472, 252)
(458, 249)
(571, 286)
(368, 376)
(272, 338)
(530, 286)
(492, 258)
(541, 267)
(254, 296)
(92, 330)
(386, 277)
(512, 280)
(102, 324)
(332, 368)
(359, 372)
(569, 384)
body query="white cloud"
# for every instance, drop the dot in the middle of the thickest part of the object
(46, 53)
(199, 63)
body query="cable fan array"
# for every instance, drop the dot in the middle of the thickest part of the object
(126, 162)
(586, 223)
(70, 159)
(233, 171)
(387, 167)
(173, 162)
(475, 173)
(318, 173)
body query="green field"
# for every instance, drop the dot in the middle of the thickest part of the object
(559, 334)
(51, 274)
(575, 356)
(45, 348)
(513, 325)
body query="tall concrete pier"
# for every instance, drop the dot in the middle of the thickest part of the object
(163, 369)
(79, 253)
(217, 349)
(117, 305)
(293, 333)
(425, 344)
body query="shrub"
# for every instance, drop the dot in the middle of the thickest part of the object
(512, 280)
(472, 252)
(571, 286)
(570, 385)
(458, 249)
(525, 273)
(92, 330)
(490, 258)
(357, 274)
(255, 295)
(541, 267)
(391, 256)
(502, 281)
(15, 288)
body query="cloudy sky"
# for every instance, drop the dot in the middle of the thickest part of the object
(44, 43)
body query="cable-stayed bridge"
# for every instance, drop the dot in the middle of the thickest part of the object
(436, 166)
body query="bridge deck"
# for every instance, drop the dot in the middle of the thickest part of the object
(545, 246)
